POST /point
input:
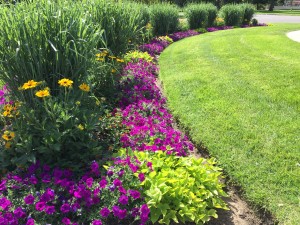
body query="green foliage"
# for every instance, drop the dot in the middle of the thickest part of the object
(254, 22)
(70, 128)
(232, 14)
(122, 21)
(212, 14)
(249, 11)
(135, 56)
(164, 18)
(196, 15)
(46, 40)
(201, 15)
(182, 189)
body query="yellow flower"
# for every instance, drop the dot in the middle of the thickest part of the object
(8, 135)
(100, 59)
(80, 127)
(7, 113)
(84, 87)
(29, 84)
(113, 70)
(7, 145)
(120, 60)
(112, 57)
(43, 93)
(65, 82)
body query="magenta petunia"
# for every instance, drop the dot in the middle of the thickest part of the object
(65, 208)
(30, 221)
(104, 212)
(145, 211)
(97, 222)
(134, 194)
(117, 182)
(123, 199)
(141, 177)
(50, 210)
(66, 221)
(29, 199)
(40, 206)
(103, 183)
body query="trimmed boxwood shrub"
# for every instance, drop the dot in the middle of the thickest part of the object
(232, 14)
(164, 18)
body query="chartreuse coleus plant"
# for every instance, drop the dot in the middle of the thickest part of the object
(184, 189)
(135, 56)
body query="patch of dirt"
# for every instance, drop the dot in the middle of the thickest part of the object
(240, 213)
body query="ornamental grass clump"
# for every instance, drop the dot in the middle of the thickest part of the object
(47, 40)
(232, 14)
(197, 15)
(249, 11)
(164, 18)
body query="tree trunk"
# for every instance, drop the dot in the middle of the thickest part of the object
(272, 4)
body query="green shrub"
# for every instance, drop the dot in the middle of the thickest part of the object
(212, 14)
(232, 14)
(46, 40)
(197, 15)
(254, 22)
(164, 18)
(182, 189)
(249, 11)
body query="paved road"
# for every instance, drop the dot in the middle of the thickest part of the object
(277, 19)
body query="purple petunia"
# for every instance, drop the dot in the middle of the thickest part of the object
(118, 212)
(104, 212)
(29, 199)
(123, 199)
(134, 194)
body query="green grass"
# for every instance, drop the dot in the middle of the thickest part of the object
(289, 12)
(237, 92)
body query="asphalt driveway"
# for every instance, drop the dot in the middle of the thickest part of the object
(277, 19)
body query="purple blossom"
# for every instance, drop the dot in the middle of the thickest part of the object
(65, 208)
(103, 183)
(19, 213)
(118, 212)
(29, 199)
(40, 206)
(50, 210)
(104, 212)
(117, 182)
(141, 177)
(97, 222)
(134, 194)
(145, 211)
(123, 199)
(66, 221)
(30, 221)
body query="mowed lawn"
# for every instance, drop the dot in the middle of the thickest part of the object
(238, 93)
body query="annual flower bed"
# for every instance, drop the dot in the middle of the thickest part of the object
(128, 189)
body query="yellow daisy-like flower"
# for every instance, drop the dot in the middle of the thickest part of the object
(65, 82)
(29, 84)
(7, 145)
(112, 57)
(113, 70)
(84, 87)
(43, 93)
(8, 135)
(100, 59)
(7, 113)
(80, 127)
